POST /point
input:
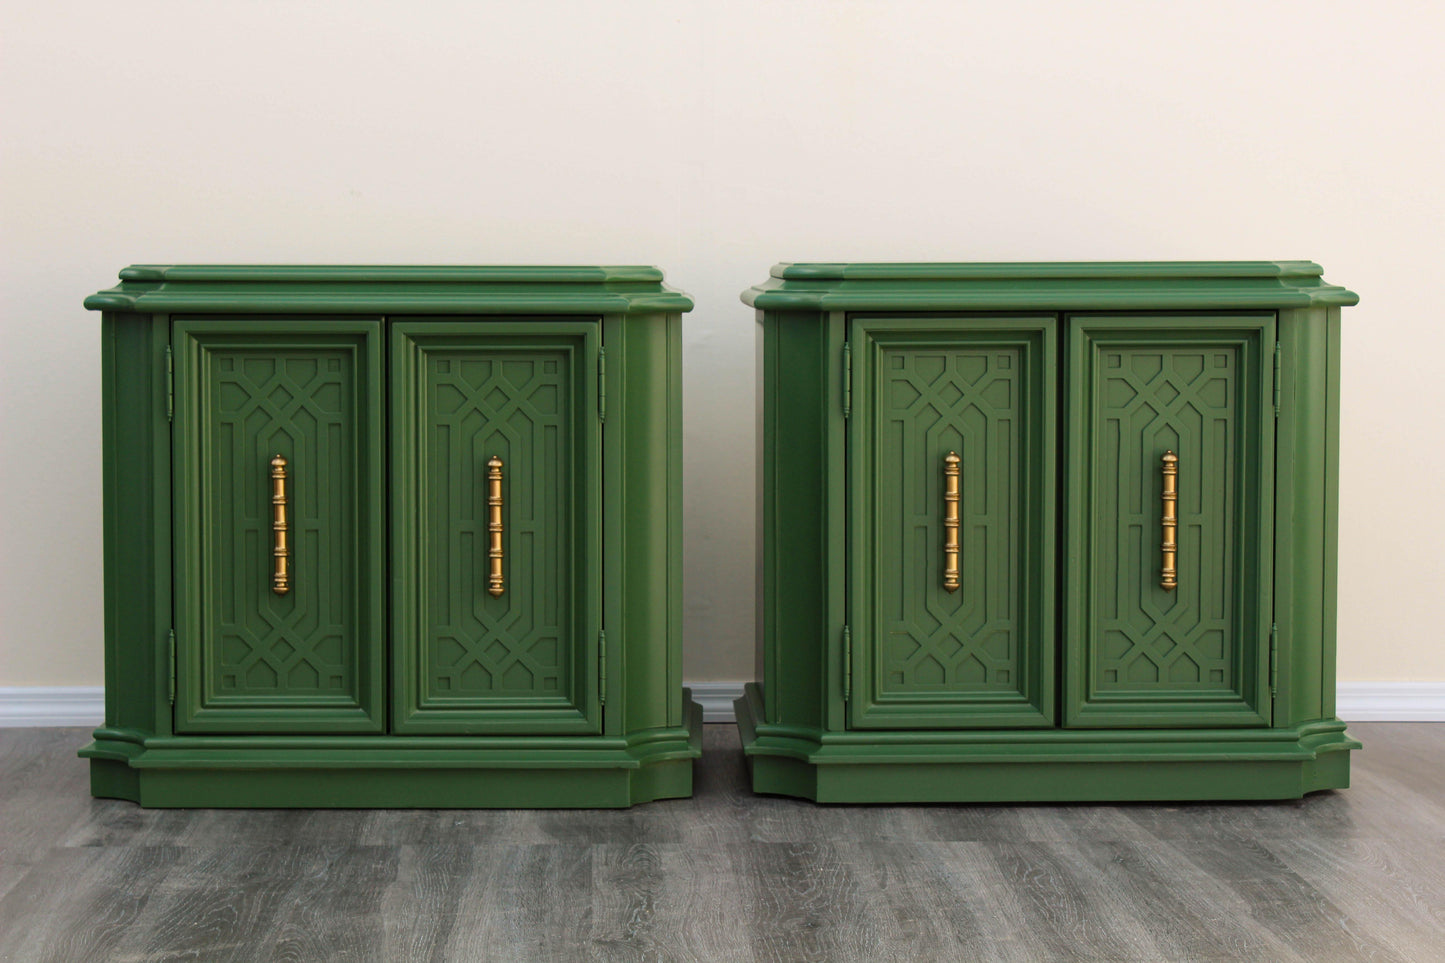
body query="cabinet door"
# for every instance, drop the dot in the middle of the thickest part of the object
(1138, 653)
(254, 653)
(516, 653)
(925, 654)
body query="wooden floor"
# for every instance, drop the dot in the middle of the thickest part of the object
(1356, 874)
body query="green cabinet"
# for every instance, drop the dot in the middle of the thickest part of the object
(1046, 532)
(392, 537)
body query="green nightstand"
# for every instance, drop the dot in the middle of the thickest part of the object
(393, 536)
(1047, 532)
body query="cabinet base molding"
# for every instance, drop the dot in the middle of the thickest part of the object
(1000, 766)
(423, 772)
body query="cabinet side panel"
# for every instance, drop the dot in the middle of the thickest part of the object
(646, 409)
(795, 543)
(764, 356)
(136, 439)
(1308, 469)
(1329, 588)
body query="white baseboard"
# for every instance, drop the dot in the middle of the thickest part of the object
(84, 705)
(716, 699)
(47, 705)
(1390, 701)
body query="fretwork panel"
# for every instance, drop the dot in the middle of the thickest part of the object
(514, 405)
(1151, 401)
(299, 404)
(980, 654)
(932, 402)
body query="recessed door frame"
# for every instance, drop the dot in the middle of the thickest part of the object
(1028, 701)
(577, 709)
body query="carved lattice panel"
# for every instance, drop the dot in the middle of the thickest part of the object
(301, 403)
(933, 401)
(1151, 401)
(1145, 654)
(524, 659)
(927, 655)
(516, 406)
(307, 660)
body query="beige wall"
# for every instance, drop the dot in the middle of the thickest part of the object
(714, 138)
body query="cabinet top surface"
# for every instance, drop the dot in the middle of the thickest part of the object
(362, 288)
(1050, 285)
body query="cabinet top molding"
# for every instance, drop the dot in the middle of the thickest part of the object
(1064, 285)
(410, 289)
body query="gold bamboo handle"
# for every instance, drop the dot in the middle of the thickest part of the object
(281, 579)
(1168, 576)
(495, 583)
(950, 521)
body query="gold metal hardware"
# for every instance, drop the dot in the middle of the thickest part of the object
(1168, 577)
(495, 584)
(950, 521)
(281, 579)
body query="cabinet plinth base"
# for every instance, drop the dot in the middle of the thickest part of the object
(1042, 765)
(266, 772)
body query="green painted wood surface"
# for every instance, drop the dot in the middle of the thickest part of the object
(982, 655)
(136, 453)
(347, 772)
(525, 661)
(801, 622)
(1192, 677)
(1041, 765)
(1063, 286)
(620, 476)
(344, 289)
(1135, 652)
(249, 659)
(642, 523)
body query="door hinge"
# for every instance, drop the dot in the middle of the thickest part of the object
(170, 387)
(601, 384)
(847, 664)
(1273, 658)
(171, 666)
(847, 380)
(601, 668)
(1277, 353)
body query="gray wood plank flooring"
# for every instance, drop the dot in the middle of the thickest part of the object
(1351, 875)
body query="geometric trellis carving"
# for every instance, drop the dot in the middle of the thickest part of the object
(515, 405)
(299, 403)
(933, 400)
(1149, 400)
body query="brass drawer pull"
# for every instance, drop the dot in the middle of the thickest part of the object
(1169, 577)
(281, 578)
(950, 521)
(495, 583)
